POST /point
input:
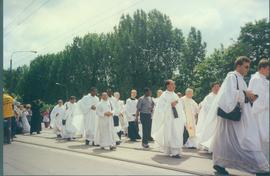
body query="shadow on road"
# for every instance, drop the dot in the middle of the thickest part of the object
(100, 151)
(163, 159)
(81, 146)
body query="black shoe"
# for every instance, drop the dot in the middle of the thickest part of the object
(151, 139)
(102, 148)
(112, 148)
(133, 140)
(14, 137)
(118, 142)
(192, 148)
(38, 132)
(87, 142)
(139, 137)
(59, 136)
(176, 156)
(221, 170)
(68, 139)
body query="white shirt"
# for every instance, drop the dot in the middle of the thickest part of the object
(131, 109)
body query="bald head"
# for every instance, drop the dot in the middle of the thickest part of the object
(189, 93)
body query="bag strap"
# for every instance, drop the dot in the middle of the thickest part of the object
(237, 81)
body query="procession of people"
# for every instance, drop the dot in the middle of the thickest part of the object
(232, 121)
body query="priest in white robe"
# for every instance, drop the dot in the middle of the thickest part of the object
(56, 118)
(88, 106)
(204, 139)
(237, 144)
(260, 109)
(168, 122)
(105, 134)
(69, 129)
(123, 123)
(116, 110)
(191, 110)
(131, 110)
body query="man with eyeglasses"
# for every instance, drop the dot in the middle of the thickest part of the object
(236, 143)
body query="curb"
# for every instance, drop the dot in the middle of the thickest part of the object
(140, 149)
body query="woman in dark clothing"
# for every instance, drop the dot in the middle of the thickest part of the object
(36, 117)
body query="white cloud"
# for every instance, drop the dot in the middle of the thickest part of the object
(53, 26)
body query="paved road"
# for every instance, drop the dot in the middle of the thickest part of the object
(26, 159)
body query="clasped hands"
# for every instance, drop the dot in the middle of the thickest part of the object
(108, 114)
(174, 103)
(93, 107)
(250, 95)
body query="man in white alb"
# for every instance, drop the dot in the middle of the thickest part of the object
(168, 122)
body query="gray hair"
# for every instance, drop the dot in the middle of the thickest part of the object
(189, 90)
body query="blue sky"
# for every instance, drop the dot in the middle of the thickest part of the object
(48, 25)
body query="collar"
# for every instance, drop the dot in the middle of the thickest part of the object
(238, 74)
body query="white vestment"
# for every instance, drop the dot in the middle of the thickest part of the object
(204, 140)
(166, 129)
(69, 130)
(131, 109)
(105, 134)
(56, 118)
(236, 144)
(156, 100)
(122, 118)
(116, 112)
(191, 109)
(90, 118)
(25, 123)
(260, 109)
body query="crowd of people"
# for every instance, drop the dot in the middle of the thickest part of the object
(232, 121)
(22, 118)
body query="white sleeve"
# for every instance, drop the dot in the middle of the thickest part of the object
(99, 110)
(231, 95)
(127, 109)
(261, 103)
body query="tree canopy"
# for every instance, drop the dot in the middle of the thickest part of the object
(143, 50)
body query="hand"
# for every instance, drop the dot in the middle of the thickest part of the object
(108, 114)
(174, 103)
(250, 95)
(253, 98)
(93, 107)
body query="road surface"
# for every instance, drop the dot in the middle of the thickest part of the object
(27, 159)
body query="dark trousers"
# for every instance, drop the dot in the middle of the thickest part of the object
(150, 135)
(132, 130)
(146, 127)
(116, 123)
(185, 136)
(13, 126)
(7, 131)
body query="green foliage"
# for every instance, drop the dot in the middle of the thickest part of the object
(143, 50)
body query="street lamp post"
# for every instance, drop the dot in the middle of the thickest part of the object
(66, 90)
(14, 52)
